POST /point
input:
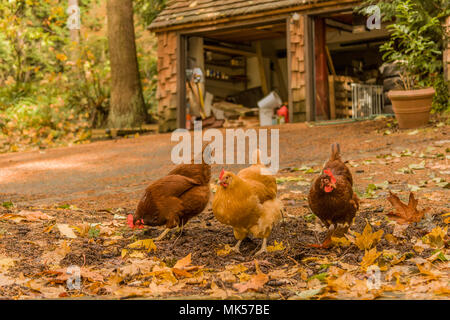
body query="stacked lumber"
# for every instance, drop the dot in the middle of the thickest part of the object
(343, 95)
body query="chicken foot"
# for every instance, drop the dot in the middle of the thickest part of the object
(327, 242)
(263, 247)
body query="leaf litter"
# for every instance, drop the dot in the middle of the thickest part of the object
(407, 242)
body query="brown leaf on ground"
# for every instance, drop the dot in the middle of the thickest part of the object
(182, 263)
(405, 213)
(255, 283)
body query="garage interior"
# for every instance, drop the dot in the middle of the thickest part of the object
(348, 53)
(240, 66)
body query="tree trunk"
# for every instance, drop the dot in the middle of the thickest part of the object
(127, 108)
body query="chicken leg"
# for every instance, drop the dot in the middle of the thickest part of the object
(163, 234)
(327, 242)
(236, 247)
(263, 247)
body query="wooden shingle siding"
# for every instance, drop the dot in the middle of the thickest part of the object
(166, 91)
(297, 53)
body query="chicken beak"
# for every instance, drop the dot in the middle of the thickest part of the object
(223, 183)
(333, 185)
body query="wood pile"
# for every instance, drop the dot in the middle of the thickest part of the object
(342, 95)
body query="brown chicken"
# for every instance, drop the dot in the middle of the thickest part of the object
(248, 202)
(332, 199)
(176, 198)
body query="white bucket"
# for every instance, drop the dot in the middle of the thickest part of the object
(265, 116)
(272, 100)
(266, 106)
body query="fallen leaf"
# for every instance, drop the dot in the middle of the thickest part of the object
(184, 262)
(369, 258)
(55, 256)
(255, 283)
(67, 231)
(6, 263)
(306, 294)
(436, 238)
(224, 251)
(367, 239)
(277, 246)
(341, 242)
(236, 268)
(426, 269)
(34, 215)
(147, 244)
(217, 292)
(405, 213)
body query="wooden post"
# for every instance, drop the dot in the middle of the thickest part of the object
(322, 107)
(330, 61)
(281, 78)
(262, 72)
(289, 69)
(332, 97)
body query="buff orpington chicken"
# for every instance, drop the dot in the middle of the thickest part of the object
(248, 202)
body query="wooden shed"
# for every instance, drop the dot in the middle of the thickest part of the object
(308, 51)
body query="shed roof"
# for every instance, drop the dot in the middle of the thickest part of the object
(180, 12)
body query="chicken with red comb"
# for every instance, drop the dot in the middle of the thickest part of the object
(331, 197)
(174, 199)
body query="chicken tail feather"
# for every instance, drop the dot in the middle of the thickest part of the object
(335, 151)
(256, 157)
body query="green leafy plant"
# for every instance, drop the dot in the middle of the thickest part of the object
(412, 48)
(416, 43)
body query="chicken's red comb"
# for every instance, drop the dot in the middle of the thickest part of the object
(221, 174)
(330, 174)
(131, 223)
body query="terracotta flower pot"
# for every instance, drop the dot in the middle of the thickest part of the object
(412, 107)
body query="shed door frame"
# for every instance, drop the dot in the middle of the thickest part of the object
(310, 58)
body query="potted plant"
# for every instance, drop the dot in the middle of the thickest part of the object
(412, 47)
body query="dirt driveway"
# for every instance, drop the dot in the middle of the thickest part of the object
(101, 182)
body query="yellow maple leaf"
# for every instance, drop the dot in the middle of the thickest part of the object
(436, 237)
(224, 251)
(236, 268)
(137, 254)
(277, 246)
(341, 242)
(367, 239)
(147, 244)
(369, 258)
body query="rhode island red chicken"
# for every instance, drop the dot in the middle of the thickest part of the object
(176, 198)
(331, 197)
(248, 202)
